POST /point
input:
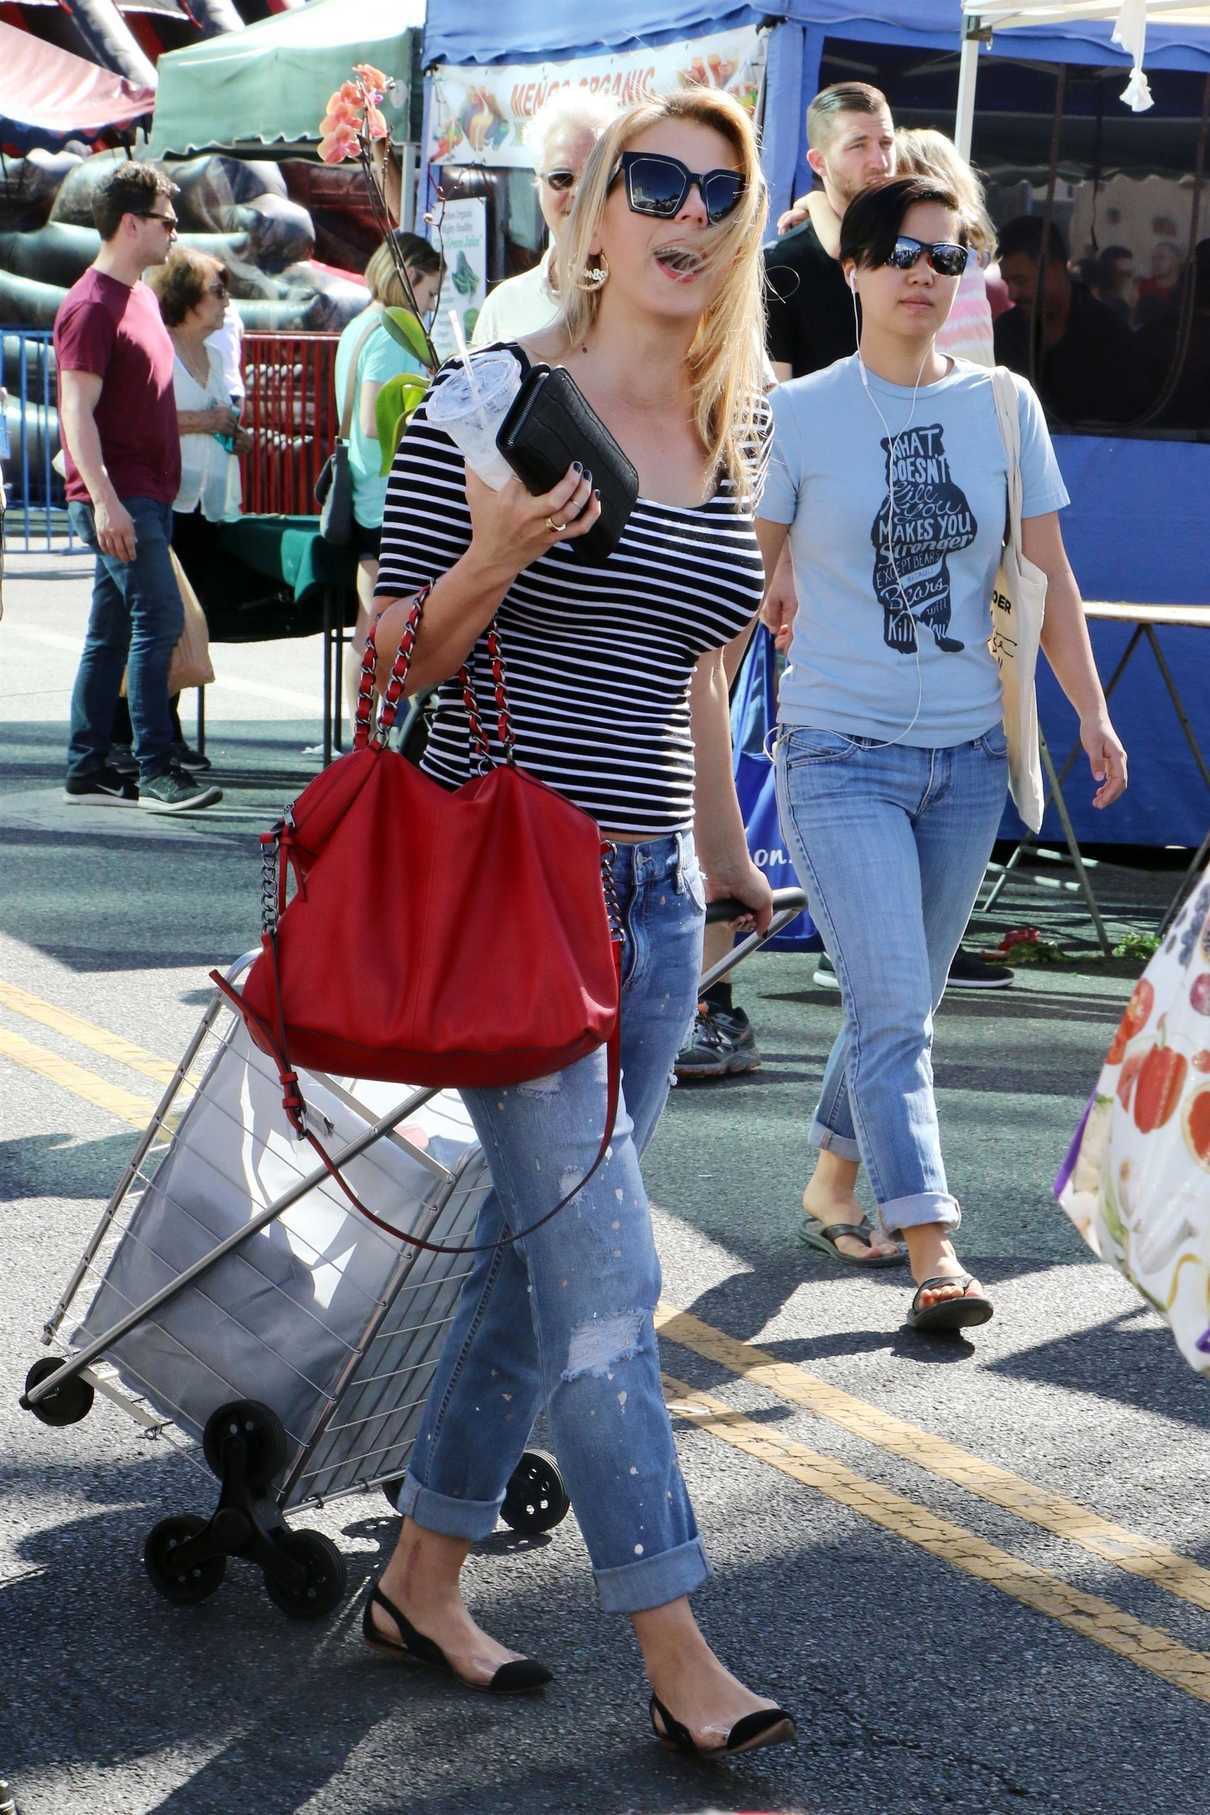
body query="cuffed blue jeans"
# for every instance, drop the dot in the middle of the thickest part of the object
(891, 843)
(135, 623)
(564, 1318)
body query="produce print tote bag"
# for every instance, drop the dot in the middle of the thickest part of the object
(1018, 606)
(1136, 1182)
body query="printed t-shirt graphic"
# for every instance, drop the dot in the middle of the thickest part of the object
(938, 507)
(923, 519)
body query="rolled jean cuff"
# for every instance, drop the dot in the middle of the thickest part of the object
(653, 1582)
(842, 1145)
(925, 1207)
(471, 1519)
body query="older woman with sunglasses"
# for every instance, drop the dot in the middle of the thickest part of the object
(889, 475)
(618, 700)
(561, 133)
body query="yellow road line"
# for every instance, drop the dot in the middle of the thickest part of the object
(1083, 1613)
(1096, 1619)
(85, 1033)
(1128, 1550)
(77, 1079)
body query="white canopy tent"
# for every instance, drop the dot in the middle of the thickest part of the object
(1129, 19)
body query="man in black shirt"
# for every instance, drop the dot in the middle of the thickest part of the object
(852, 144)
(1086, 364)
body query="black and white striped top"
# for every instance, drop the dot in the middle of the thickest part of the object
(598, 659)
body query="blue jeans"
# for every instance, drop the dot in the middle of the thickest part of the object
(135, 623)
(891, 844)
(563, 1318)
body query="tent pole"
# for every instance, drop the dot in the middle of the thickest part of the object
(974, 33)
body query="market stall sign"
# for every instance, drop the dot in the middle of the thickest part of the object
(479, 113)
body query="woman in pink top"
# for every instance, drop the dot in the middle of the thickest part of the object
(921, 151)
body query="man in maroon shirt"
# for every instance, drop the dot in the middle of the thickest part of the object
(122, 447)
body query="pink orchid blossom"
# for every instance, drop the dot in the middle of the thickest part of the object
(335, 147)
(376, 125)
(373, 78)
(340, 118)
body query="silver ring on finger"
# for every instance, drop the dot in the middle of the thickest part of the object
(556, 529)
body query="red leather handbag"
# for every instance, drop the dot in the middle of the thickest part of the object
(435, 937)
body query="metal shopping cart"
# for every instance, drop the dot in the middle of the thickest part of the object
(240, 1305)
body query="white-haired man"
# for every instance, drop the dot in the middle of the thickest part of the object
(561, 135)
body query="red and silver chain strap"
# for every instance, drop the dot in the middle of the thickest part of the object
(504, 726)
(366, 731)
(613, 907)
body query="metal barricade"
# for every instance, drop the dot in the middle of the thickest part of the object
(291, 414)
(37, 505)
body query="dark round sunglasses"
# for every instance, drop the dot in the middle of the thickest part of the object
(947, 260)
(658, 185)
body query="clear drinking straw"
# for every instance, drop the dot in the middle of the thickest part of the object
(464, 355)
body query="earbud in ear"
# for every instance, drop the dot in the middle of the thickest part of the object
(853, 282)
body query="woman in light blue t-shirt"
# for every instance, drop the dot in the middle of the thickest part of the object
(889, 477)
(366, 358)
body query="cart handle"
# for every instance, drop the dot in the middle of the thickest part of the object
(787, 905)
(787, 902)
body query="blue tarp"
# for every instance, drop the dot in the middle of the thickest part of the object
(513, 29)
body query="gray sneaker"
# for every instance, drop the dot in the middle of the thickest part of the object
(176, 792)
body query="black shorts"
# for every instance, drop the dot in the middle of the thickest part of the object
(365, 541)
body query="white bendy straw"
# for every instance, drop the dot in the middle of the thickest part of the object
(464, 354)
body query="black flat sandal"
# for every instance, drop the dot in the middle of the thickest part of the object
(521, 1676)
(767, 1727)
(959, 1312)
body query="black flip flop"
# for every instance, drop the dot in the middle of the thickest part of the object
(823, 1238)
(948, 1314)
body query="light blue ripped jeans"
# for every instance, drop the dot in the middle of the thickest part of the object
(563, 1318)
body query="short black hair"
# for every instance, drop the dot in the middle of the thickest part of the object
(132, 188)
(1107, 259)
(873, 220)
(1028, 233)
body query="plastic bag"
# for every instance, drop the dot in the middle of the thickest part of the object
(1136, 1182)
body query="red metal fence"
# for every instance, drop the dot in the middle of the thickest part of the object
(292, 417)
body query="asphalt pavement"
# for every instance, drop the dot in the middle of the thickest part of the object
(978, 1571)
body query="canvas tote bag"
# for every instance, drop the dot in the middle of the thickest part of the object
(1018, 605)
(191, 665)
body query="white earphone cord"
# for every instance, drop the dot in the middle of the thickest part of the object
(903, 610)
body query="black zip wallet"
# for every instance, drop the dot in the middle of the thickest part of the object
(549, 425)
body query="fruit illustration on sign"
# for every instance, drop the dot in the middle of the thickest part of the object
(1199, 995)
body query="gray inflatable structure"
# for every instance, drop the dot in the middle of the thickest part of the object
(237, 211)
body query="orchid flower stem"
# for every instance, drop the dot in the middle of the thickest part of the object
(385, 226)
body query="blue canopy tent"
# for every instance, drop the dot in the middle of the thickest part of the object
(517, 30)
(1131, 498)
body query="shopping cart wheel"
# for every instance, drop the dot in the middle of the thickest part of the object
(265, 1442)
(68, 1403)
(326, 1575)
(183, 1586)
(536, 1499)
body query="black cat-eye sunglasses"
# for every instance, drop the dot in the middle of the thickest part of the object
(657, 184)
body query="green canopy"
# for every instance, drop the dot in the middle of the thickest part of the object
(263, 90)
